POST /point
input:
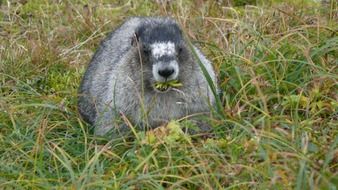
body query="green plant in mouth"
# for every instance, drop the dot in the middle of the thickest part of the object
(163, 86)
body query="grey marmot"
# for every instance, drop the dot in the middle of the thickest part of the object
(121, 76)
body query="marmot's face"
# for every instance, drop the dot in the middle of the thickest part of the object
(163, 56)
(162, 51)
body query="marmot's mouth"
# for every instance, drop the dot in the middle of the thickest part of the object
(162, 90)
(166, 86)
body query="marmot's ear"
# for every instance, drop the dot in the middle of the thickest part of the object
(134, 39)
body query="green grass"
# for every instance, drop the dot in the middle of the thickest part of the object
(276, 122)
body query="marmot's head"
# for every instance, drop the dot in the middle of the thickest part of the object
(162, 49)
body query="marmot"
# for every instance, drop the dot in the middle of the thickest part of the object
(121, 76)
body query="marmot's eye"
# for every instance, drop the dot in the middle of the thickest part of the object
(146, 51)
(180, 49)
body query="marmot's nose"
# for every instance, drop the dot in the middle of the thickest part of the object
(166, 72)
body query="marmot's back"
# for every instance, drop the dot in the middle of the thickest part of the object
(108, 53)
(143, 51)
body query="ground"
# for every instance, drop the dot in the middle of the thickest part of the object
(274, 126)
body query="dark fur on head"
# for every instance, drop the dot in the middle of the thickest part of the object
(151, 32)
(159, 32)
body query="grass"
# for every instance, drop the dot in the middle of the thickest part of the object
(276, 122)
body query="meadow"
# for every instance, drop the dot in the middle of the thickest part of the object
(274, 126)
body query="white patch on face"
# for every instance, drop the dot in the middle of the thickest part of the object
(159, 49)
(155, 73)
(158, 66)
(174, 64)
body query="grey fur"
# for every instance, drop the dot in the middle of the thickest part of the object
(113, 82)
